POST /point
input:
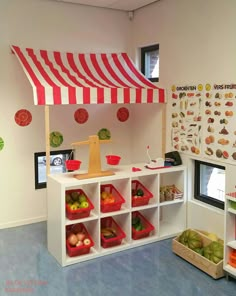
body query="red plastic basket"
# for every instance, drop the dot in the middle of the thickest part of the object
(141, 200)
(73, 165)
(113, 159)
(81, 212)
(115, 241)
(116, 205)
(148, 227)
(232, 259)
(80, 250)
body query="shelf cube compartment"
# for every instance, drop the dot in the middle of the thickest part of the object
(109, 223)
(170, 192)
(83, 249)
(113, 201)
(140, 200)
(79, 212)
(143, 226)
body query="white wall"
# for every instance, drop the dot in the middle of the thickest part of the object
(54, 26)
(197, 44)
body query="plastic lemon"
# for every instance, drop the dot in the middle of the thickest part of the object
(200, 87)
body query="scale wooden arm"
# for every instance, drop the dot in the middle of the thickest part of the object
(88, 142)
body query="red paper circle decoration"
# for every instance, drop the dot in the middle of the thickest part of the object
(81, 115)
(122, 114)
(23, 117)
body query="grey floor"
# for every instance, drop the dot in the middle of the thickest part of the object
(26, 268)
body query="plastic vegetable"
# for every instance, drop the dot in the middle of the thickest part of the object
(191, 239)
(214, 252)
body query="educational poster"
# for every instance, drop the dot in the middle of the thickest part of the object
(203, 120)
(186, 118)
(219, 133)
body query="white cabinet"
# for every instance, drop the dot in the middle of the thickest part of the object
(168, 217)
(230, 234)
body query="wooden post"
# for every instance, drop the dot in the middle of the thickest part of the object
(47, 139)
(163, 136)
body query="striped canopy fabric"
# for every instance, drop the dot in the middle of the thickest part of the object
(75, 78)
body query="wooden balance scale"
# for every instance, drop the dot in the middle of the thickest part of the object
(94, 169)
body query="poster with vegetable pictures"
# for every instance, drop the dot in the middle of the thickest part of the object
(186, 118)
(203, 120)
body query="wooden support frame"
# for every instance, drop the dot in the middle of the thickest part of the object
(163, 135)
(47, 138)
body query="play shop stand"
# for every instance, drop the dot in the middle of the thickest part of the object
(111, 229)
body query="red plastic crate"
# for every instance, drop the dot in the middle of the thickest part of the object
(80, 250)
(81, 212)
(115, 206)
(142, 200)
(115, 241)
(148, 227)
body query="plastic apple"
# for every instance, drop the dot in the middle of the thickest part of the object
(84, 204)
(80, 236)
(87, 241)
(82, 198)
(73, 207)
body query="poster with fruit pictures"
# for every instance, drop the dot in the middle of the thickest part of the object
(186, 118)
(219, 121)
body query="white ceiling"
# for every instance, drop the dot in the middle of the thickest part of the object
(126, 5)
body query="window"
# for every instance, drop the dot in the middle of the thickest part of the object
(209, 183)
(150, 62)
(57, 165)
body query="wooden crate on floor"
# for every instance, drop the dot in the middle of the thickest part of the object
(214, 270)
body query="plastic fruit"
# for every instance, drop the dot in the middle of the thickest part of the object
(68, 198)
(191, 239)
(87, 241)
(75, 196)
(77, 204)
(84, 204)
(80, 236)
(82, 198)
(73, 207)
(72, 239)
(214, 252)
(104, 195)
(79, 243)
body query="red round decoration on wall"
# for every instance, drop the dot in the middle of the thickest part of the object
(23, 117)
(81, 115)
(123, 114)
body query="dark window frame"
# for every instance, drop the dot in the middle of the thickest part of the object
(68, 155)
(145, 50)
(197, 185)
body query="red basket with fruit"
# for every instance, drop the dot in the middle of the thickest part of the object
(140, 194)
(78, 205)
(111, 233)
(111, 199)
(78, 240)
(141, 227)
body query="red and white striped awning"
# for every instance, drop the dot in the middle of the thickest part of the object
(76, 78)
